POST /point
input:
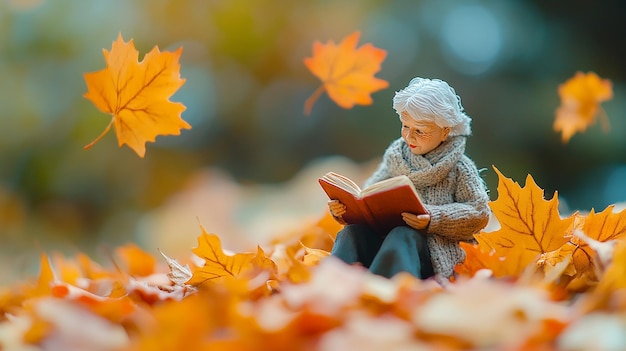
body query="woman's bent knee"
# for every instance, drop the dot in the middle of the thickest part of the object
(404, 232)
(400, 236)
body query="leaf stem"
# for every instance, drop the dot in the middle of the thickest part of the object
(308, 104)
(106, 130)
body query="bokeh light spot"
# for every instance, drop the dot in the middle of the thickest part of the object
(473, 38)
(615, 185)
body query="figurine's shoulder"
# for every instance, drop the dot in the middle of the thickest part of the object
(466, 167)
(466, 161)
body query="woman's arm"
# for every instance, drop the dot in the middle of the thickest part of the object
(469, 214)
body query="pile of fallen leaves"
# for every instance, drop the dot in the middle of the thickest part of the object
(541, 281)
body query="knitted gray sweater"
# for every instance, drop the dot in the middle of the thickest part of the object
(453, 191)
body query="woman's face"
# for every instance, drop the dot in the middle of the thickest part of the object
(422, 136)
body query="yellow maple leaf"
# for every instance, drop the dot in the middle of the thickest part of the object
(606, 225)
(609, 293)
(581, 96)
(603, 227)
(312, 257)
(137, 94)
(298, 271)
(218, 264)
(530, 225)
(347, 72)
(262, 262)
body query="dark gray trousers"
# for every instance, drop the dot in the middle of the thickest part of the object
(403, 249)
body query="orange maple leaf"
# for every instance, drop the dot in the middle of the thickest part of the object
(137, 262)
(137, 94)
(47, 276)
(220, 265)
(580, 103)
(68, 270)
(530, 225)
(176, 325)
(113, 309)
(477, 259)
(347, 73)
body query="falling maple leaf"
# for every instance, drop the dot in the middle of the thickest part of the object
(347, 72)
(137, 94)
(530, 226)
(581, 96)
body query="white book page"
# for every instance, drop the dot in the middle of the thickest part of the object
(387, 184)
(342, 182)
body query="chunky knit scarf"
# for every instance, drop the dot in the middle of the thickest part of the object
(428, 169)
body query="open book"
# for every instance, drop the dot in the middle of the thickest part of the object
(380, 205)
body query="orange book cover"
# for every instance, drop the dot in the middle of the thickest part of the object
(380, 205)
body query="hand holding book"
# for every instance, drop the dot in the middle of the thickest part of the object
(419, 222)
(337, 210)
(416, 221)
(383, 205)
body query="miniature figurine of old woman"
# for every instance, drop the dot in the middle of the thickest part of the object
(431, 152)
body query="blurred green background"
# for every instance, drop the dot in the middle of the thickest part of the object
(245, 90)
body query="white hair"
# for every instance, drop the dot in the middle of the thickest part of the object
(433, 100)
